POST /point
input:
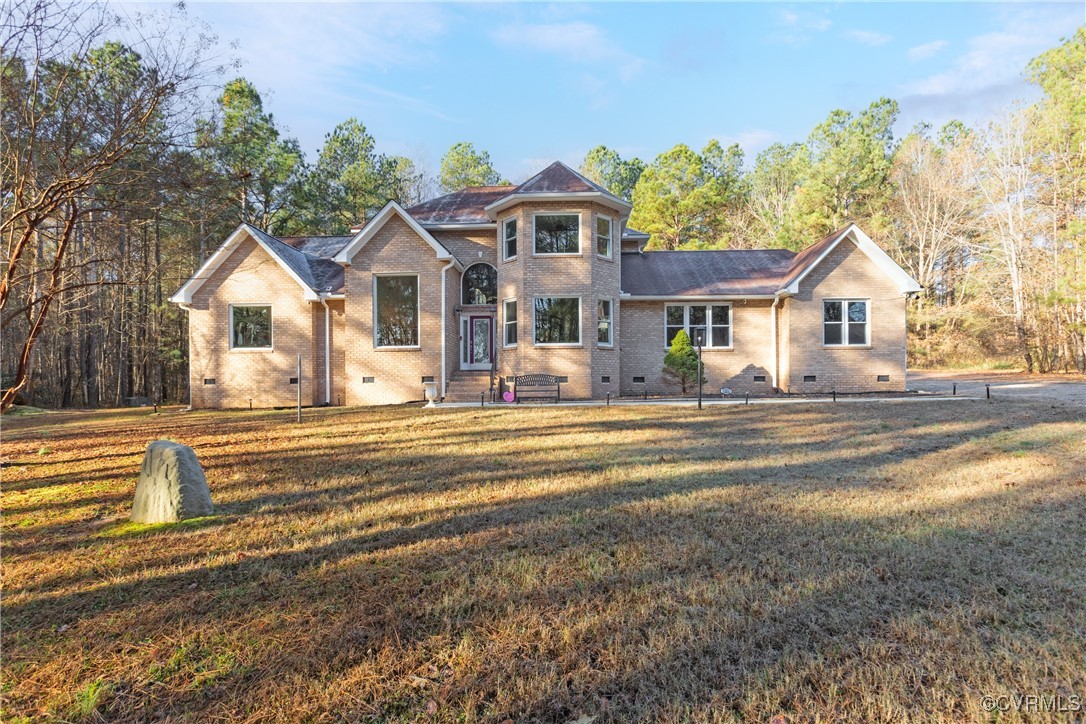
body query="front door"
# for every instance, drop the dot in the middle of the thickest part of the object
(476, 343)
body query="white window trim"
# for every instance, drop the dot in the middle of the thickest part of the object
(709, 322)
(580, 322)
(580, 245)
(844, 323)
(611, 323)
(610, 237)
(418, 310)
(506, 322)
(505, 238)
(465, 273)
(230, 329)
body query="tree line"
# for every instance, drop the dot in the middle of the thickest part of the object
(121, 174)
(990, 220)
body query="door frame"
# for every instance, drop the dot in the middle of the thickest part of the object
(467, 334)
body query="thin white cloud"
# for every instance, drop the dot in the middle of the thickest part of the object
(751, 141)
(577, 41)
(798, 28)
(869, 37)
(925, 51)
(990, 73)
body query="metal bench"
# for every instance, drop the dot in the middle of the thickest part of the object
(537, 387)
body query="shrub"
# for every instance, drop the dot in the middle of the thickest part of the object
(681, 361)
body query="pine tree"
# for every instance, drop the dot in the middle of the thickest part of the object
(681, 361)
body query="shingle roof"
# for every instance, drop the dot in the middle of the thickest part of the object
(809, 255)
(705, 273)
(559, 178)
(629, 233)
(310, 257)
(460, 207)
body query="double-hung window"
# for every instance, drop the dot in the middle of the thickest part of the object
(711, 322)
(396, 310)
(603, 320)
(557, 320)
(845, 323)
(509, 321)
(250, 326)
(603, 236)
(557, 234)
(509, 239)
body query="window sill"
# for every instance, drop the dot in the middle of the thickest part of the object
(558, 345)
(250, 350)
(605, 346)
(509, 346)
(708, 349)
(397, 349)
(847, 346)
(545, 256)
(610, 258)
(511, 258)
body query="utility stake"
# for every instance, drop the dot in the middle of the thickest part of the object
(748, 398)
(482, 398)
(608, 398)
(954, 389)
(250, 404)
(988, 391)
(835, 395)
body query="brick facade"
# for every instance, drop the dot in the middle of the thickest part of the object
(251, 276)
(364, 374)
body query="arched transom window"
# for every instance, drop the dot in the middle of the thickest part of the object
(480, 285)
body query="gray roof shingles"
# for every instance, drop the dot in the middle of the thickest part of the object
(310, 257)
(737, 272)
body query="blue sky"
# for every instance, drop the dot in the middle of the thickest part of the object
(532, 83)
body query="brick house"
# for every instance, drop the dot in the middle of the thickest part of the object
(490, 282)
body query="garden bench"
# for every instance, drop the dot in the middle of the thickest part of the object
(537, 387)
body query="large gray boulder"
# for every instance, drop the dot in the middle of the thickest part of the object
(172, 485)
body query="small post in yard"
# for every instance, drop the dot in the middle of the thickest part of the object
(954, 389)
(988, 391)
(482, 398)
(835, 394)
(299, 388)
(700, 378)
(748, 397)
(608, 398)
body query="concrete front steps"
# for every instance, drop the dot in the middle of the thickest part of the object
(465, 386)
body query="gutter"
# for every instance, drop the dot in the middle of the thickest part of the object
(327, 349)
(776, 340)
(444, 299)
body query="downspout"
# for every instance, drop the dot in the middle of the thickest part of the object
(443, 314)
(327, 349)
(776, 340)
(187, 306)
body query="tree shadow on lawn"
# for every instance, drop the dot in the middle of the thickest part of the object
(716, 586)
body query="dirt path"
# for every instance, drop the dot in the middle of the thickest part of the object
(1070, 389)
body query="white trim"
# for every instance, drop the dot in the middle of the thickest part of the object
(506, 323)
(580, 227)
(906, 284)
(444, 304)
(699, 298)
(844, 322)
(346, 254)
(201, 275)
(776, 334)
(504, 238)
(610, 237)
(327, 351)
(708, 324)
(464, 275)
(271, 326)
(458, 227)
(418, 310)
(580, 322)
(610, 323)
(598, 196)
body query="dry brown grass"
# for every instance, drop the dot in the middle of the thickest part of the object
(861, 561)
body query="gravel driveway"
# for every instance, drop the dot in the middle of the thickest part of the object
(1070, 389)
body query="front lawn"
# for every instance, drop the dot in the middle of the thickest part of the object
(860, 561)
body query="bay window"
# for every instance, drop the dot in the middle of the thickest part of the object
(603, 321)
(557, 320)
(557, 234)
